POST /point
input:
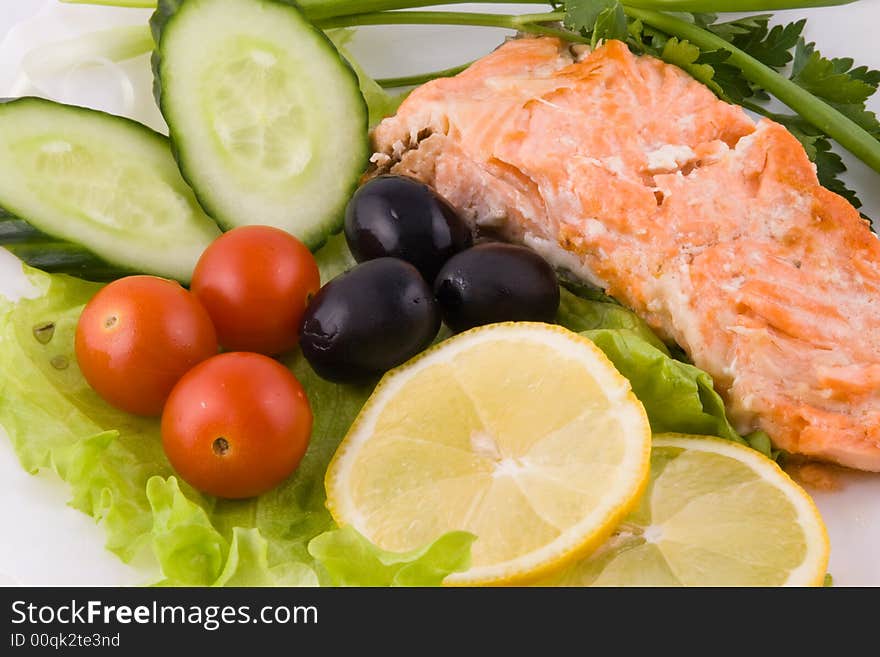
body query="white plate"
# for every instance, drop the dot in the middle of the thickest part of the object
(45, 542)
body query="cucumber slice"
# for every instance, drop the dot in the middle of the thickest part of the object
(267, 119)
(102, 182)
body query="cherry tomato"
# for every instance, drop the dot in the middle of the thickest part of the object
(137, 337)
(237, 425)
(255, 282)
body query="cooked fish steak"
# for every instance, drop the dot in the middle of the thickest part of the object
(633, 176)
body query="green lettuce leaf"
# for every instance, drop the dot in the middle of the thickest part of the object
(118, 473)
(588, 311)
(349, 559)
(677, 396)
(55, 420)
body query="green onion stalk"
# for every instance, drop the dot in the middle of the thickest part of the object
(329, 14)
(539, 24)
(317, 9)
(420, 78)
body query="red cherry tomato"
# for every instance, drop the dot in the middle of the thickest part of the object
(255, 282)
(137, 337)
(237, 425)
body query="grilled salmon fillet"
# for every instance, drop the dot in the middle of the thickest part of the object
(631, 175)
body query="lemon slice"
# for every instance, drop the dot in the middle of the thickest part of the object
(715, 514)
(523, 434)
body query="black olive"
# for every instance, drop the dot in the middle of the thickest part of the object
(496, 282)
(398, 217)
(369, 320)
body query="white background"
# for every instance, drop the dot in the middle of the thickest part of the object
(44, 542)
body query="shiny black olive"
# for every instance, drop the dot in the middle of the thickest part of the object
(496, 282)
(369, 320)
(398, 217)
